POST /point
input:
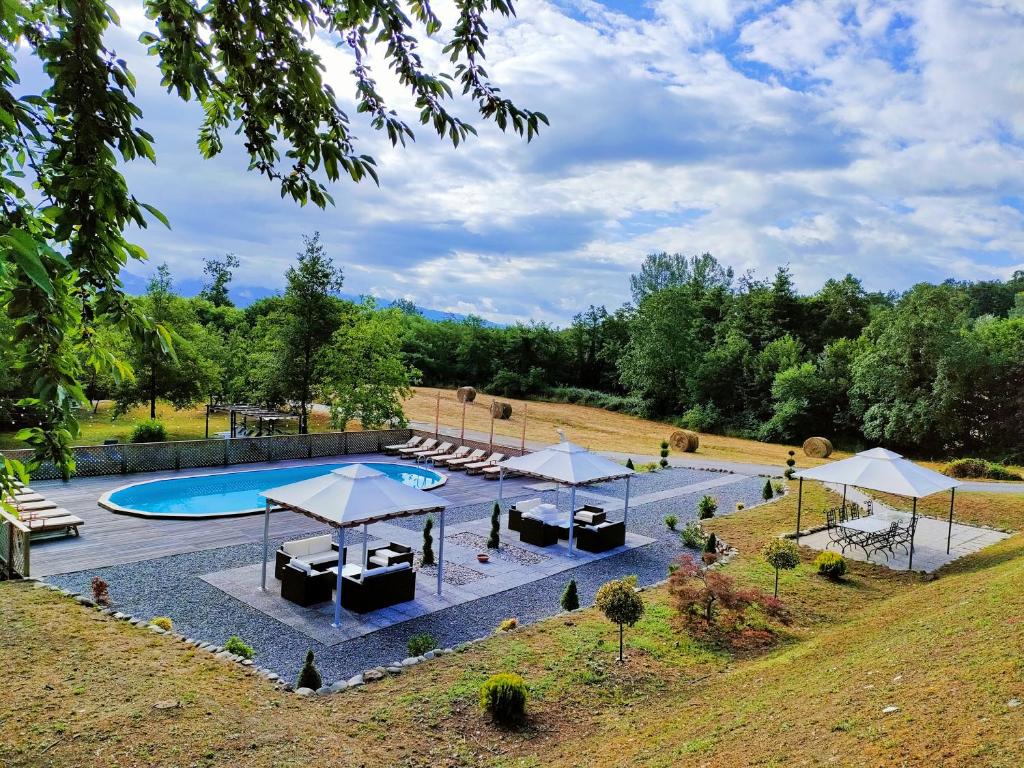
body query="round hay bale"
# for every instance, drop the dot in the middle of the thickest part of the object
(465, 394)
(818, 447)
(684, 440)
(500, 410)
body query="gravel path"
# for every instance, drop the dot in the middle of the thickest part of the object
(171, 586)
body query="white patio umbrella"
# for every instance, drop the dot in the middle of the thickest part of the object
(882, 470)
(571, 465)
(348, 497)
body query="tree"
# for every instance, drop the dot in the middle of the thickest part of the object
(309, 675)
(363, 374)
(219, 273)
(570, 597)
(310, 316)
(781, 554)
(700, 591)
(66, 205)
(767, 493)
(494, 540)
(428, 541)
(619, 602)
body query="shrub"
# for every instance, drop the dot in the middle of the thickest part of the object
(150, 431)
(309, 675)
(164, 622)
(779, 487)
(701, 592)
(791, 462)
(619, 602)
(767, 492)
(740, 506)
(671, 521)
(508, 625)
(100, 591)
(788, 474)
(706, 507)
(781, 554)
(629, 464)
(420, 643)
(494, 540)
(693, 535)
(831, 565)
(428, 542)
(503, 696)
(664, 454)
(237, 646)
(979, 468)
(570, 597)
(595, 399)
(702, 418)
(711, 545)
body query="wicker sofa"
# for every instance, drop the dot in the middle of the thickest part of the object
(600, 537)
(321, 552)
(379, 588)
(537, 532)
(515, 512)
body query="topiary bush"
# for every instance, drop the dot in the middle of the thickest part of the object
(781, 554)
(164, 622)
(237, 646)
(664, 454)
(309, 675)
(420, 643)
(706, 507)
(619, 602)
(570, 597)
(503, 696)
(629, 464)
(428, 542)
(832, 565)
(494, 540)
(767, 492)
(671, 521)
(150, 431)
(711, 545)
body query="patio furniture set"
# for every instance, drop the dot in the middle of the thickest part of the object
(430, 451)
(308, 572)
(43, 517)
(847, 528)
(543, 525)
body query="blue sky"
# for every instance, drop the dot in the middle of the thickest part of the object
(880, 137)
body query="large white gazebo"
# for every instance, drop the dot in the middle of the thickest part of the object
(568, 464)
(348, 497)
(881, 470)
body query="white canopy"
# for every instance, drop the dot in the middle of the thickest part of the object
(567, 463)
(353, 495)
(882, 470)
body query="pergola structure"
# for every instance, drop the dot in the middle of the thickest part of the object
(881, 470)
(567, 464)
(348, 497)
(246, 412)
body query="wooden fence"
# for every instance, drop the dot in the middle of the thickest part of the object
(14, 547)
(129, 458)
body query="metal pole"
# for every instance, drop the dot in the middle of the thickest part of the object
(625, 510)
(522, 443)
(913, 532)
(437, 416)
(462, 434)
(337, 586)
(207, 421)
(949, 534)
(490, 440)
(440, 553)
(572, 516)
(364, 562)
(844, 498)
(501, 484)
(799, 503)
(266, 544)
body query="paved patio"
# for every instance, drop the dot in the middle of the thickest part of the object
(929, 541)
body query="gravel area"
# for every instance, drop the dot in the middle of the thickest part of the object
(171, 586)
(509, 552)
(455, 574)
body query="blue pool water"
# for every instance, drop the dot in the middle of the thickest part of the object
(237, 493)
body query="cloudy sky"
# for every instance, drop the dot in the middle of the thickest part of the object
(880, 137)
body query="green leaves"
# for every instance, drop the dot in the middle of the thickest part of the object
(24, 249)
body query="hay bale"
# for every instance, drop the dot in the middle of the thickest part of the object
(465, 394)
(684, 440)
(500, 410)
(818, 447)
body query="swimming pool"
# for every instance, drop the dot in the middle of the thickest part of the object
(227, 494)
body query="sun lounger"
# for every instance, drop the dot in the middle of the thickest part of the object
(461, 462)
(440, 450)
(38, 514)
(426, 445)
(412, 442)
(476, 467)
(24, 498)
(34, 506)
(458, 453)
(68, 524)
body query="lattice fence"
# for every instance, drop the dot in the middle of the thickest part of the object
(14, 547)
(129, 458)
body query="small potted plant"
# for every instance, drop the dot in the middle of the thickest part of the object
(483, 557)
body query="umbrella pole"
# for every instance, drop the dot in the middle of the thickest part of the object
(501, 483)
(266, 544)
(913, 532)
(625, 510)
(949, 534)
(337, 587)
(572, 516)
(440, 553)
(799, 504)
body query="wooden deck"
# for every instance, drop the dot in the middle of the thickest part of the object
(112, 539)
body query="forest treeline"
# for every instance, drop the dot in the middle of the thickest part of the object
(936, 370)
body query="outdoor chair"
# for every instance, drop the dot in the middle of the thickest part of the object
(589, 515)
(64, 524)
(440, 450)
(392, 554)
(462, 461)
(306, 586)
(600, 537)
(883, 541)
(426, 445)
(379, 588)
(516, 511)
(412, 442)
(537, 532)
(458, 453)
(320, 552)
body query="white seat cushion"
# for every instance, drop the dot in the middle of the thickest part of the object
(301, 547)
(588, 517)
(321, 557)
(379, 560)
(300, 565)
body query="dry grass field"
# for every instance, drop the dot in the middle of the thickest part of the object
(945, 653)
